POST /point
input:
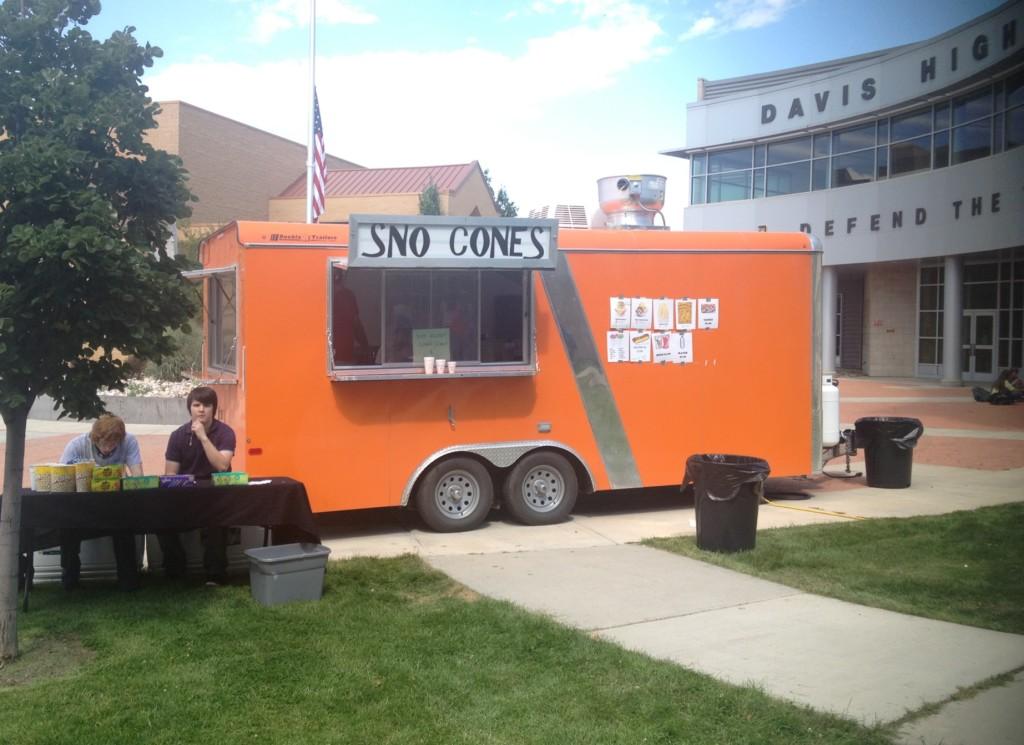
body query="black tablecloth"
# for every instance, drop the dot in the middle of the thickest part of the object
(281, 505)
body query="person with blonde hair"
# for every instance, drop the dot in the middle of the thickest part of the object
(106, 444)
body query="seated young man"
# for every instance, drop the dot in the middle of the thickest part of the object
(107, 444)
(202, 446)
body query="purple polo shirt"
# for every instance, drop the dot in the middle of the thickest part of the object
(184, 448)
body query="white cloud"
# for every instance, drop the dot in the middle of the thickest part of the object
(499, 112)
(270, 17)
(700, 27)
(738, 15)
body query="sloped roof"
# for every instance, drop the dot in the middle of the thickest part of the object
(368, 181)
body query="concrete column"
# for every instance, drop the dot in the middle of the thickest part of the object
(829, 290)
(953, 308)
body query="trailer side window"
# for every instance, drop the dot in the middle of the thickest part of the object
(223, 320)
(393, 318)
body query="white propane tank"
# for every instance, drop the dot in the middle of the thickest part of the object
(830, 435)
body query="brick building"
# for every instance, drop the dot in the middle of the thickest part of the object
(396, 191)
(234, 169)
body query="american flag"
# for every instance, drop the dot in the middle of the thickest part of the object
(319, 161)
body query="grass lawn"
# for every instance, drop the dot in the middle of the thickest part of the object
(965, 567)
(394, 653)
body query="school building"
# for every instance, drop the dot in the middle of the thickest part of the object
(908, 164)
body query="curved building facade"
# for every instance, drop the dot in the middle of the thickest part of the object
(908, 164)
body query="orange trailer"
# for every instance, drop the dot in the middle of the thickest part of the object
(316, 337)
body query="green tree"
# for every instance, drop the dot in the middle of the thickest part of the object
(505, 206)
(430, 200)
(85, 206)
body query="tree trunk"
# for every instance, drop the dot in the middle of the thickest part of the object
(10, 530)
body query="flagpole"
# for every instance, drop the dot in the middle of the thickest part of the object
(309, 111)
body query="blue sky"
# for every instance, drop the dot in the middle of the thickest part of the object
(550, 95)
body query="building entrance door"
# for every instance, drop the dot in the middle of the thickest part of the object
(979, 345)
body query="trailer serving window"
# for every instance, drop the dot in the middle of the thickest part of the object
(222, 320)
(388, 320)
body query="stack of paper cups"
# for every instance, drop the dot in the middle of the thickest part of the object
(428, 365)
(83, 475)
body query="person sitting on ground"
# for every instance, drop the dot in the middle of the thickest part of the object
(1008, 386)
(201, 447)
(106, 444)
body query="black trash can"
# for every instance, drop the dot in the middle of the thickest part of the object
(888, 444)
(727, 491)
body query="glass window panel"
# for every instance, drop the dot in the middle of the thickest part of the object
(929, 297)
(854, 138)
(997, 95)
(981, 272)
(699, 164)
(697, 190)
(453, 306)
(1018, 322)
(982, 360)
(984, 330)
(929, 275)
(972, 141)
(789, 179)
(789, 151)
(823, 144)
(911, 156)
(1004, 323)
(1004, 353)
(914, 124)
(1013, 89)
(1018, 270)
(883, 162)
(938, 356)
(1015, 354)
(355, 316)
(883, 131)
(223, 319)
(503, 316)
(1014, 128)
(1018, 295)
(728, 187)
(980, 296)
(940, 145)
(759, 151)
(758, 183)
(406, 308)
(929, 325)
(855, 168)
(997, 134)
(730, 160)
(974, 106)
(926, 351)
(819, 177)
(942, 116)
(965, 360)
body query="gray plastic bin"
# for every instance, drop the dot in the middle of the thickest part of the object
(286, 573)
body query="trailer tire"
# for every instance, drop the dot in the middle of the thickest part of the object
(455, 494)
(541, 489)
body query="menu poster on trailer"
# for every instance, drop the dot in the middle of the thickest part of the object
(663, 313)
(642, 312)
(708, 307)
(682, 347)
(639, 346)
(663, 348)
(620, 313)
(686, 314)
(618, 346)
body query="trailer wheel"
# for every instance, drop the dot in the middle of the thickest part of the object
(541, 489)
(455, 494)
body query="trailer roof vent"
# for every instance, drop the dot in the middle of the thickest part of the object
(632, 201)
(568, 215)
